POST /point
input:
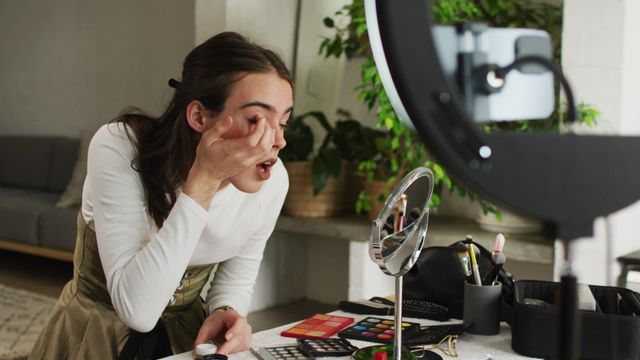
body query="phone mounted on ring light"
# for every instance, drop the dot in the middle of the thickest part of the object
(546, 180)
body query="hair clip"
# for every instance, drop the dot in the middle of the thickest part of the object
(174, 83)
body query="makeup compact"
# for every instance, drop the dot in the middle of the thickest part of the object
(318, 326)
(279, 352)
(326, 347)
(377, 330)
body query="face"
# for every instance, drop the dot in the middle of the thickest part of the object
(265, 94)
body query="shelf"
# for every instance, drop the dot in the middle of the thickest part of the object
(443, 231)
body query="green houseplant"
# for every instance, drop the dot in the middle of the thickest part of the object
(403, 151)
(322, 173)
(347, 140)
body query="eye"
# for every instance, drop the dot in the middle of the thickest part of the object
(253, 120)
(283, 126)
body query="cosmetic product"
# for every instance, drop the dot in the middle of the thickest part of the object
(474, 265)
(214, 357)
(403, 211)
(326, 347)
(499, 244)
(465, 262)
(492, 275)
(498, 259)
(203, 350)
(279, 352)
(378, 330)
(318, 326)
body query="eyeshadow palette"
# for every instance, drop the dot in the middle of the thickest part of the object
(318, 326)
(326, 347)
(378, 330)
(281, 352)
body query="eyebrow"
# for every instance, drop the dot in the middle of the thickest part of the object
(264, 106)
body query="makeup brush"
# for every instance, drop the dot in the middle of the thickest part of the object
(499, 245)
(498, 259)
(402, 212)
(474, 265)
(465, 262)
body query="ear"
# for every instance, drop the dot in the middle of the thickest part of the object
(196, 116)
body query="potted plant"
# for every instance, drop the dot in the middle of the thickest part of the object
(317, 180)
(403, 151)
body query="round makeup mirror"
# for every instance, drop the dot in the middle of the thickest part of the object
(397, 237)
(399, 230)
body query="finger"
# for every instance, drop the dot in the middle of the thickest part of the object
(215, 132)
(203, 337)
(207, 332)
(266, 142)
(234, 336)
(260, 128)
(231, 346)
(238, 324)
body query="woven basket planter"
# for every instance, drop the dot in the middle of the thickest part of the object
(300, 201)
(353, 185)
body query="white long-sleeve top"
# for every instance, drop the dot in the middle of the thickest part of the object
(143, 265)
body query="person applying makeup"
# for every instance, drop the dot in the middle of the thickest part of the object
(170, 199)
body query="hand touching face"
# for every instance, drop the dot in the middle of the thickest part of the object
(259, 106)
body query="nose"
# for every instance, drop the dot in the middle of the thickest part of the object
(279, 141)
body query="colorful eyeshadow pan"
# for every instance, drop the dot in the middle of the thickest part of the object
(377, 330)
(318, 326)
(326, 347)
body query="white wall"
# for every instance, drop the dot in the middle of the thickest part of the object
(601, 53)
(269, 23)
(318, 80)
(348, 98)
(72, 65)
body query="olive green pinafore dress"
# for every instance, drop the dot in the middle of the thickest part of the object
(84, 324)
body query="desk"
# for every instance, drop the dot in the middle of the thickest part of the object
(470, 347)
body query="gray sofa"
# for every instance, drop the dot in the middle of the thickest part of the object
(34, 172)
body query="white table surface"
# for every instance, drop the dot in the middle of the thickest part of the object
(470, 347)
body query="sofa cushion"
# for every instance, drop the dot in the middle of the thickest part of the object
(63, 159)
(72, 194)
(25, 161)
(19, 211)
(57, 228)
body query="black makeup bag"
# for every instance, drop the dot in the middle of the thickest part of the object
(612, 332)
(438, 276)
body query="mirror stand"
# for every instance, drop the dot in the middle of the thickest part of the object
(397, 320)
(397, 237)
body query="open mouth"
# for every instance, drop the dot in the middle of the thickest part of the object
(266, 165)
(264, 168)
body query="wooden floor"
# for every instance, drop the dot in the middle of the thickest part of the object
(34, 273)
(48, 277)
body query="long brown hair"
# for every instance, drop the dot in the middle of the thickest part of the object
(166, 145)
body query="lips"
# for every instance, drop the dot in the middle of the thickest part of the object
(263, 169)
